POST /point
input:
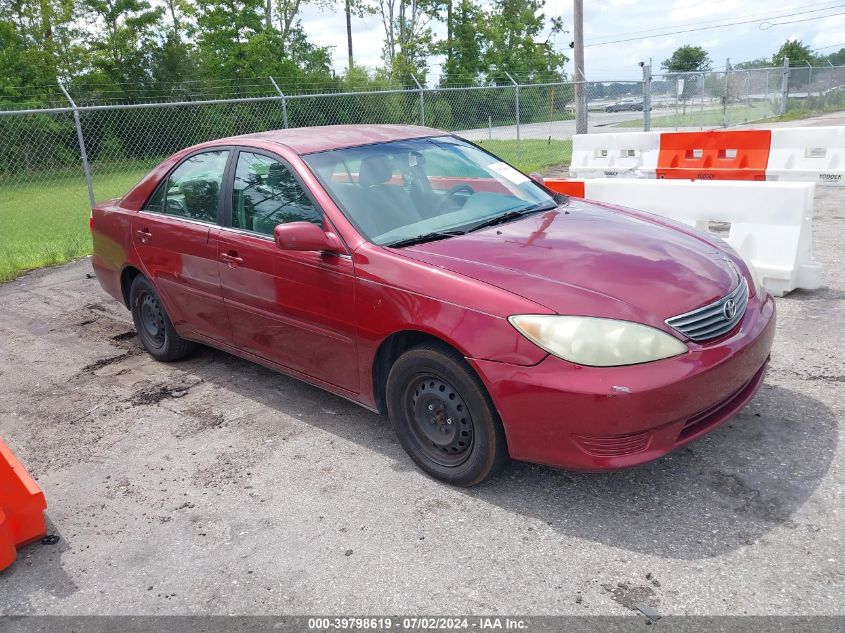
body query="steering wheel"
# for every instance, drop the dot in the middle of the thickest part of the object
(458, 190)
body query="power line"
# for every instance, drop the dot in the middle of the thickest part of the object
(718, 26)
(820, 17)
(805, 8)
(824, 48)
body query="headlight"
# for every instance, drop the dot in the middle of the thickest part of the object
(597, 342)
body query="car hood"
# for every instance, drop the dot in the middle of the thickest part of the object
(589, 259)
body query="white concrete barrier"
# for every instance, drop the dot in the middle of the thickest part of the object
(617, 155)
(771, 223)
(810, 154)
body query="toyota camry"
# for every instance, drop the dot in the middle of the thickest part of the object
(416, 274)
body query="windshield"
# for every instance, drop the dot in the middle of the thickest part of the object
(402, 190)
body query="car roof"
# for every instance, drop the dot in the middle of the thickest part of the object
(305, 140)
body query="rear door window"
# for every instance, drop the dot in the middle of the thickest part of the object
(192, 190)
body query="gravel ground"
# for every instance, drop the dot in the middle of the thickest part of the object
(214, 486)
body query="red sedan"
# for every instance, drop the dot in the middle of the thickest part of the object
(414, 273)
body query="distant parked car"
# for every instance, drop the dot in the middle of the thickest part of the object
(412, 272)
(626, 105)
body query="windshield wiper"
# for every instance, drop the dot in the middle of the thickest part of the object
(424, 237)
(514, 214)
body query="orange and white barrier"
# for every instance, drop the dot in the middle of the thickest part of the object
(811, 154)
(714, 155)
(782, 154)
(22, 506)
(770, 223)
(615, 155)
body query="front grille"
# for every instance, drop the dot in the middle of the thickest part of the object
(715, 319)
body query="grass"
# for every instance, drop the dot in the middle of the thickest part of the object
(533, 155)
(45, 218)
(711, 117)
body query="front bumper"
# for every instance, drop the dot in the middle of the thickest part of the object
(598, 418)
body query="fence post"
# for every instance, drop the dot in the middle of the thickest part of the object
(647, 97)
(727, 92)
(768, 101)
(82, 152)
(810, 83)
(747, 97)
(422, 101)
(784, 86)
(518, 135)
(284, 102)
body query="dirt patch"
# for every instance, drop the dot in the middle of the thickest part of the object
(153, 393)
(632, 596)
(90, 368)
(234, 467)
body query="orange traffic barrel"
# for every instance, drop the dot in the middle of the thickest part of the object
(22, 506)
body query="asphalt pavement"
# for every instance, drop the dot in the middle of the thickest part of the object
(214, 486)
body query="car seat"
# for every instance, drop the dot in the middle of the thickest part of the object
(389, 204)
(201, 198)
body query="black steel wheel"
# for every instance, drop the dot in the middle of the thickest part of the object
(443, 416)
(442, 423)
(152, 319)
(157, 334)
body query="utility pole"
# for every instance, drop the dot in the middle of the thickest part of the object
(580, 84)
(647, 96)
(349, 32)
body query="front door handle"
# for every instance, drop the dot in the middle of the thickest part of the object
(144, 236)
(232, 259)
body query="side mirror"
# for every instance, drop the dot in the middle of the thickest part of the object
(536, 178)
(305, 236)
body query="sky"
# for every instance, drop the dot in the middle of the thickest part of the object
(768, 24)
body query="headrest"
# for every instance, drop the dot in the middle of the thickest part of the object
(375, 170)
(274, 175)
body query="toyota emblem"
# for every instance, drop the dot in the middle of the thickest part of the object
(729, 309)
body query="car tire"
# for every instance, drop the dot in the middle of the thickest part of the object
(444, 417)
(157, 334)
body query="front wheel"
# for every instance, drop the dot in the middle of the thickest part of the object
(153, 325)
(444, 417)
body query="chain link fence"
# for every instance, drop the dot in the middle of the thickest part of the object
(54, 161)
(715, 99)
(707, 100)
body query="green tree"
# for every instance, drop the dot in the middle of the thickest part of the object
(464, 49)
(173, 62)
(837, 58)
(687, 59)
(513, 29)
(762, 62)
(408, 38)
(799, 54)
(41, 37)
(225, 29)
(122, 50)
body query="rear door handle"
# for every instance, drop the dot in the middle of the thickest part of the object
(232, 259)
(144, 236)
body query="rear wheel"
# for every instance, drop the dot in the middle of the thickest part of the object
(157, 334)
(443, 416)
